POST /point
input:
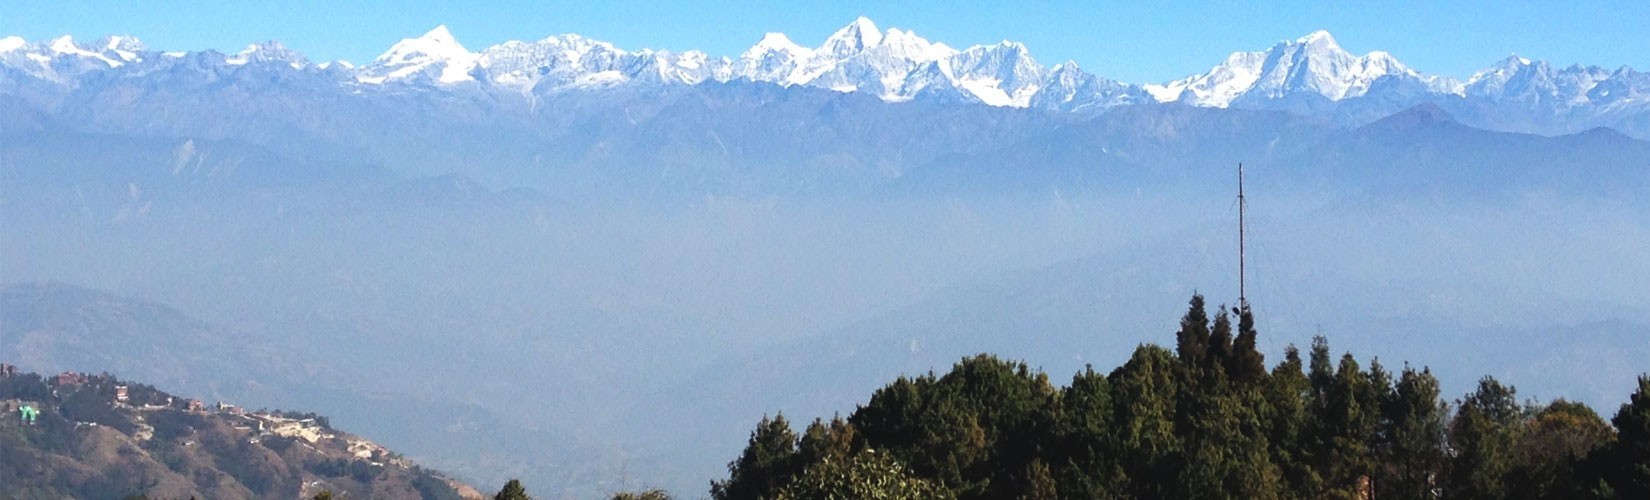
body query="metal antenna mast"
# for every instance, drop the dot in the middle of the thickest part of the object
(1242, 291)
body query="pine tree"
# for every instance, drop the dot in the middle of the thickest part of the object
(1085, 444)
(1038, 483)
(512, 490)
(1287, 393)
(1413, 460)
(821, 441)
(1145, 390)
(1220, 342)
(1482, 436)
(1629, 472)
(1343, 426)
(766, 465)
(1191, 342)
(1248, 365)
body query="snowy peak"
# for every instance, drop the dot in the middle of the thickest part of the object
(435, 56)
(1217, 88)
(126, 48)
(270, 51)
(11, 43)
(1308, 74)
(907, 45)
(1312, 65)
(1000, 75)
(1319, 38)
(852, 39)
(775, 43)
(1536, 83)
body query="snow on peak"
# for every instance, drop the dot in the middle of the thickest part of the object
(439, 35)
(1312, 64)
(11, 43)
(852, 39)
(436, 54)
(270, 51)
(1319, 36)
(776, 42)
(908, 45)
(66, 46)
(64, 43)
(772, 59)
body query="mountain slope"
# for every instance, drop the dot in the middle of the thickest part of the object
(89, 442)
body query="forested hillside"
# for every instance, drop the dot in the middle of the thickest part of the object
(1204, 420)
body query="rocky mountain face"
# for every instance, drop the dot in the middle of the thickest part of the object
(76, 435)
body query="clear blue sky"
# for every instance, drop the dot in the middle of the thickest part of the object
(1133, 41)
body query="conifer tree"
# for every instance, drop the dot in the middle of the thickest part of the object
(1248, 365)
(767, 464)
(1220, 342)
(1191, 342)
(1414, 418)
(1629, 472)
(1085, 444)
(1290, 424)
(1482, 437)
(1145, 390)
(821, 441)
(513, 490)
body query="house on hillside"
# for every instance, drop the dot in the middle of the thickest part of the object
(121, 396)
(71, 378)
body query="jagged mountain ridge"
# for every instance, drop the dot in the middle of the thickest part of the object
(1312, 74)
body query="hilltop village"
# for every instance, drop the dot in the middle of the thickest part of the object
(94, 435)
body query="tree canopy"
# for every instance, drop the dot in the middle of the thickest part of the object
(1207, 420)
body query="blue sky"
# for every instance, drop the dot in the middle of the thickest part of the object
(1132, 41)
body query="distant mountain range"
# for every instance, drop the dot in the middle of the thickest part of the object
(544, 259)
(1311, 74)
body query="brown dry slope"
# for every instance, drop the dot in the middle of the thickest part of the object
(87, 443)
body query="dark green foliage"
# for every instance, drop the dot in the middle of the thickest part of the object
(869, 475)
(1085, 446)
(836, 440)
(1288, 425)
(1412, 449)
(1191, 342)
(654, 494)
(25, 386)
(1204, 421)
(1145, 391)
(974, 430)
(1220, 342)
(1247, 365)
(1550, 458)
(1627, 462)
(1482, 435)
(767, 464)
(512, 490)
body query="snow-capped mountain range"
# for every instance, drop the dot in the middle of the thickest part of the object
(1310, 74)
